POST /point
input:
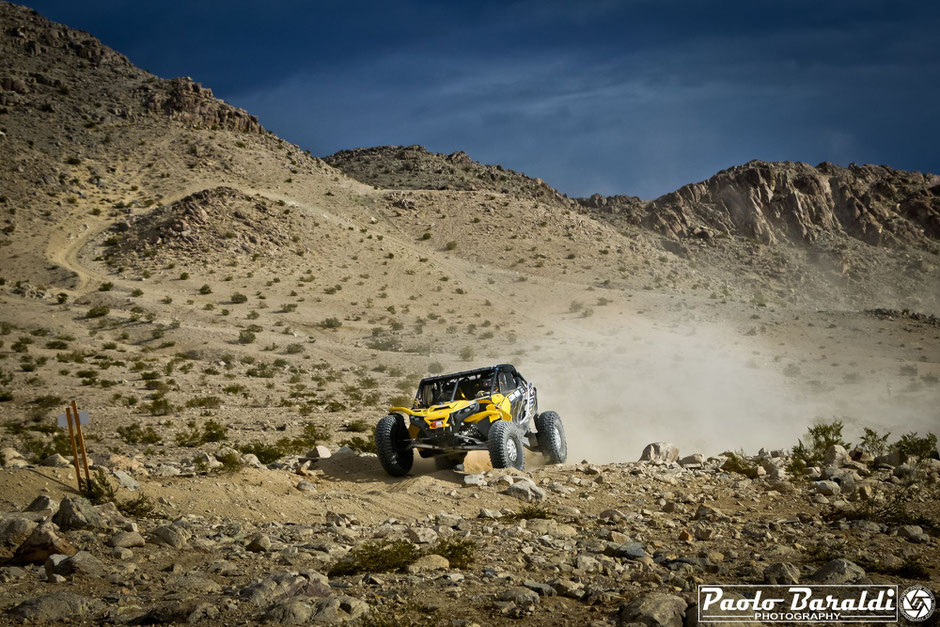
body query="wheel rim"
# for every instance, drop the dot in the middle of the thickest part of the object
(511, 451)
(557, 435)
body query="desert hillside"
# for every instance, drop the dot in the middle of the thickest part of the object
(236, 314)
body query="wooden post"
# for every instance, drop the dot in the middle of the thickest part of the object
(81, 444)
(78, 470)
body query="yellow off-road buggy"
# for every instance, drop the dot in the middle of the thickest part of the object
(491, 409)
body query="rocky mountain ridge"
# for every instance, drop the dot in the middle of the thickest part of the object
(771, 202)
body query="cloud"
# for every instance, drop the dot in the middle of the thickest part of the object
(632, 97)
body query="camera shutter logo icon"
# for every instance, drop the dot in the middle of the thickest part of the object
(917, 603)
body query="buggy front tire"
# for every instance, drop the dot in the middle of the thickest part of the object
(505, 445)
(391, 440)
(551, 437)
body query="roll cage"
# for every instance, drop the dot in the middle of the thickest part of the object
(467, 385)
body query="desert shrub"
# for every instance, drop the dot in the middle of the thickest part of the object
(266, 453)
(137, 292)
(99, 490)
(47, 402)
(211, 431)
(159, 406)
(358, 426)
(450, 245)
(6, 396)
(134, 434)
(98, 311)
(238, 298)
(140, 507)
(205, 402)
(331, 323)
(231, 462)
(738, 462)
(205, 289)
(377, 557)
(360, 444)
(466, 353)
(246, 337)
(877, 444)
(819, 437)
(922, 447)
(458, 551)
(37, 450)
(530, 511)
(106, 287)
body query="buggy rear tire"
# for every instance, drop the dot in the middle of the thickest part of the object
(391, 440)
(551, 437)
(505, 445)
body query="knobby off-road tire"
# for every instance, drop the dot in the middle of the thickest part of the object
(391, 440)
(551, 437)
(505, 444)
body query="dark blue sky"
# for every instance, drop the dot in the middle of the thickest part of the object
(617, 97)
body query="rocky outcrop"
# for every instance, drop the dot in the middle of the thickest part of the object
(797, 203)
(217, 220)
(414, 167)
(188, 101)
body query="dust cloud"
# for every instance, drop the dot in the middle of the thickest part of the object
(702, 388)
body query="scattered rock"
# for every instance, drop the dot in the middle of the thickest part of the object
(55, 461)
(341, 609)
(261, 543)
(168, 535)
(125, 480)
(81, 563)
(837, 572)
(427, 563)
(914, 533)
(523, 597)
(782, 574)
(126, 540)
(828, 488)
(422, 535)
(318, 452)
(526, 490)
(44, 504)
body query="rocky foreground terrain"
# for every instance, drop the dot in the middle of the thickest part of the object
(573, 544)
(235, 314)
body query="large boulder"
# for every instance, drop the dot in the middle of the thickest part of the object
(76, 512)
(82, 563)
(41, 543)
(15, 529)
(835, 455)
(660, 453)
(55, 607)
(171, 536)
(655, 609)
